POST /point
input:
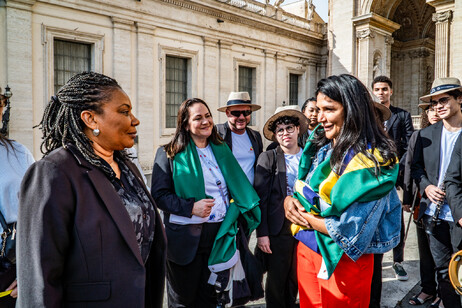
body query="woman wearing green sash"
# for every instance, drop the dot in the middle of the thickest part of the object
(345, 206)
(202, 190)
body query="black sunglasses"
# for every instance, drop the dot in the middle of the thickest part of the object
(443, 101)
(237, 113)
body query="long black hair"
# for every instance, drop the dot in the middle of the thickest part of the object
(61, 123)
(4, 141)
(361, 130)
(181, 138)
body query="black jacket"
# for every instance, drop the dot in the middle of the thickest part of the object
(400, 129)
(183, 240)
(454, 191)
(271, 187)
(254, 136)
(76, 243)
(409, 187)
(426, 161)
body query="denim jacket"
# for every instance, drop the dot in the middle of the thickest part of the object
(364, 227)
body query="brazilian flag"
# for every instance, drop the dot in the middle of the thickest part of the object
(330, 193)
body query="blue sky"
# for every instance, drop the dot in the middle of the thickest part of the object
(321, 6)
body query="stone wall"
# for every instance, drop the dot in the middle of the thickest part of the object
(130, 41)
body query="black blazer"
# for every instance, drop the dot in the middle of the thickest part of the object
(409, 187)
(183, 240)
(454, 191)
(271, 187)
(76, 244)
(254, 136)
(400, 129)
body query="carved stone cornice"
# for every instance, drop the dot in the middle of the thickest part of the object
(225, 44)
(299, 33)
(145, 28)
(442, 17)
(121, 23)
(25, 5)
(389, 40)
(420, 53)
(377, 21)
(399, 56)
(210, 42)
(365, 34)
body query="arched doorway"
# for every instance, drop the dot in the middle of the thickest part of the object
(412, 53)
(403, 47)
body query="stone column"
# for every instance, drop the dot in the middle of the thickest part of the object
(364, 54)
(373, 47)
(387, 65)
(442, 21)
(312, 78)
(122, 52)
(148, 131)
(269, 91)
(210, 75)
(226, 73)
(18, 72)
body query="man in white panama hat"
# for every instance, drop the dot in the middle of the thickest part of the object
(432, 167)
(245, 143)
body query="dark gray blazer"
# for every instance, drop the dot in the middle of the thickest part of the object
(454, 191)
(255, 138)
(426, 161)
(400, 129)
(425, 170)
(183, 240)
(76, 244)
(271, 186)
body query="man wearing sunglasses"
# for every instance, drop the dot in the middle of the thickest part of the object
(432, 167)
(245, 142)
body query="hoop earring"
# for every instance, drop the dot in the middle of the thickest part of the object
(96, 132)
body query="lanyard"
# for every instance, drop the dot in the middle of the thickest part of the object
(211, 167)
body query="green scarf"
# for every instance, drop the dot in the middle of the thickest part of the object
(188, 180)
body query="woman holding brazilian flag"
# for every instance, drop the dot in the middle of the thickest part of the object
(345, 207)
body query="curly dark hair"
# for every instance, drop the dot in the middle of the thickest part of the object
(286, 120)
(61, 123)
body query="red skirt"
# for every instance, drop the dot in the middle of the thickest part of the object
(349, 286)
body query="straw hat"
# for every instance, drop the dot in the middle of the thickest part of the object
(424, 106)
(442, 85)
(239, 99)
(291, 111)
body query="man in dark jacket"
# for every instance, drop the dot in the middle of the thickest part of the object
(433, 168)
(245, 143)
(399, 128)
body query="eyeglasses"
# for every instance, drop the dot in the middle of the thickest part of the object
(442, 101)
(237, 113)
(290, 129)
(430, 110)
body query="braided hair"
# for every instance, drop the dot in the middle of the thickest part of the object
(61, 123)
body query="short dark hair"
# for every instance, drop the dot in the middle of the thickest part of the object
(382, 79)
(286, 120)
(455, 93)
(311, 99)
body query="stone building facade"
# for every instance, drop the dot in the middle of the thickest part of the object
(160, 51)
(412, 41)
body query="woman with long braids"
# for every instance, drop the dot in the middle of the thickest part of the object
(345, 207)
(14, 161)
(89, 232)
